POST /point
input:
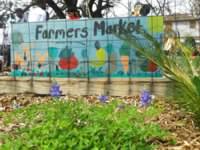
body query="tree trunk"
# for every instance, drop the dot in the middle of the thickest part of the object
(57, 10)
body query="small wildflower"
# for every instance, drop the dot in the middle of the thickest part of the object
(15, 105)
(103, 98)
(55, 90)
(145, 98)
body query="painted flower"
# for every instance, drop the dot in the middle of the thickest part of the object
(55, 90)
(103, 98)
(145, 98)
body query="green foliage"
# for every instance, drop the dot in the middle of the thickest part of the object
(77, 125)
(179, 66)
(190, 43)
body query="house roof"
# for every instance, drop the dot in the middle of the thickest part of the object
(180, 17)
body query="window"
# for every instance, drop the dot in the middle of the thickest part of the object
(192, 24)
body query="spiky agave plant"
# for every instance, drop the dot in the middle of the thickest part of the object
(182, 69)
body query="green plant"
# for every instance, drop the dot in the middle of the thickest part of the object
(190, 43)
(179, 67)
(77, 125)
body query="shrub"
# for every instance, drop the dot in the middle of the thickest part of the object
(180, 67)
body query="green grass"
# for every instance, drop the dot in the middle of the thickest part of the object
(80, 126)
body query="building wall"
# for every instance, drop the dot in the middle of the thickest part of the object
(1, 36)
(82, 48)
(187, 28)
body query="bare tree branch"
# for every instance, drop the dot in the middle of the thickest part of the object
(160, 7)
(55, 7)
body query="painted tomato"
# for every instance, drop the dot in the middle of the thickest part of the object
(152, 67)
(148, 66)
(68, 63)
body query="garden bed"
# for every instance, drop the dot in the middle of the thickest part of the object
(177, 129)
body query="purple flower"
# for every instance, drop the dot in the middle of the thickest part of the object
(55, 90)
(145, 98)
(103, 98)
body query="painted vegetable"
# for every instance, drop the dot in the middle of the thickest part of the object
(68, 63)
(124, 56)
(67, 59)
(101, 56)
(112, 57)
(152, 67)
(148, 66)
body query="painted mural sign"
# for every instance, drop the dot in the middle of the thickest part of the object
(82, 48)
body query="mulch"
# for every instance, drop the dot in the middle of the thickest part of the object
(178, 122)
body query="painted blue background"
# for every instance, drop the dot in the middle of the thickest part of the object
(79, 56)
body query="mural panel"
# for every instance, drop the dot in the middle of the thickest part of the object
(82, 48)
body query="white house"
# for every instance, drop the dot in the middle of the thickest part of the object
(186, 25)
(1, 36)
